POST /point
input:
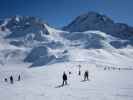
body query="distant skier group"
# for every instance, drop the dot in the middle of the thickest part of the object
(11, 79)
(64, 76)
(111, 68)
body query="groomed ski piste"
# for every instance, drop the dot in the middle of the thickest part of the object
(110, 70)
(44, 83)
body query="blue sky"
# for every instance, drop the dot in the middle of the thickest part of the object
(60, 12)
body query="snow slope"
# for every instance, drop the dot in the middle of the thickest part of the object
(44, 82)
(30, 33)
(61, 46)
(109, 60)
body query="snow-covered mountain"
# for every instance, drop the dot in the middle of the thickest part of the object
(23, 25)
(96, 21)
(34, 41)
(33, 36)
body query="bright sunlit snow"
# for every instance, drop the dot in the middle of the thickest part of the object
(40, 55)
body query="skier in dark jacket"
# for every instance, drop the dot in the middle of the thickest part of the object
(64, 79)
(11, 79)
(86, 75)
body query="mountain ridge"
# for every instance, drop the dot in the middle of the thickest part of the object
(96, 21)
(34, 41)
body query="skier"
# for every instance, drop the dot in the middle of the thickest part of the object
(79, 72)
(19, 78)
(105, 68)
(70, 72)
(11, 79)
(86, 75)
(5, 79)
(119, 68)
(64, 79)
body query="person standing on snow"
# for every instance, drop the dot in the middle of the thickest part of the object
(86, 75)
(11, 79)
(64, 79)
(5, 80)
